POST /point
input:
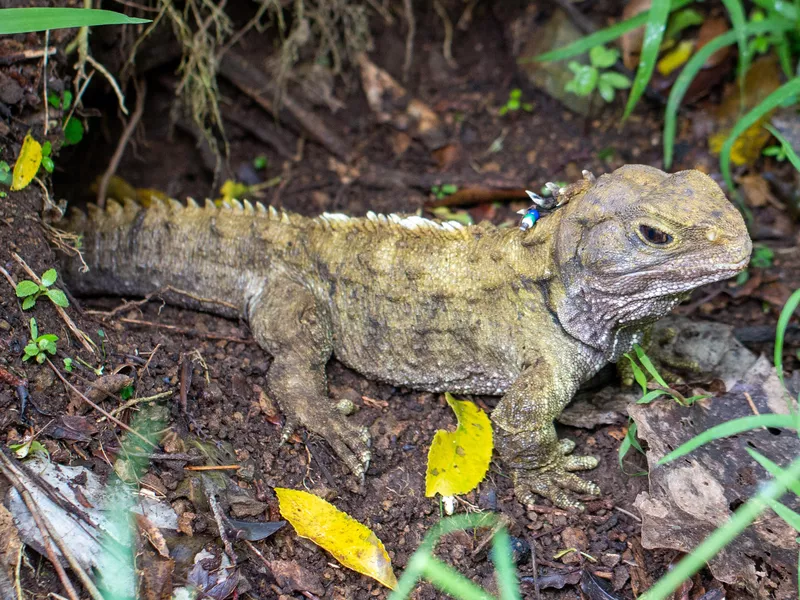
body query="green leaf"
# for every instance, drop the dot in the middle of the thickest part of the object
(58, 297)
(26, 288)
(762, 257)
(67, 99)
(126, 393)
(449, 188)
(732, 427)
(598, 38)
(49, 277)
(31, 349)
(785, 513)
(616, 80)
(51, 337)
(515, 94)
(693, 67)
(650, 396)
(585, 80)
(73, 132)
(41, 357)
(28, 303)
(602, 57)
(49, 347)
(260, 162)
(653, 34)
(34, 329)
(47, 148)
(606, 91)
(54, 100)
(24, 20)
(785, 146)
(680, 20)
(788, 89)
(68, 365)
(48, 164)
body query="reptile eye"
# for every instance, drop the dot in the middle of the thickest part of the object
(655, 236)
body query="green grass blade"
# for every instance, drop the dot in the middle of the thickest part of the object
(785, 513)
(787, 90)
(787, 147)
(648, 364)
(785, 9)
(732, 427)
(784, 56)
(24, 20)
(653, 34)
(772, 468)
(710, 547)
(693, 67)
(453, 583)
(780, 331)
(598, 38)
(739, 22)
(504, 566)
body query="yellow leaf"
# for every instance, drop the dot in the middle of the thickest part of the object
(458, 460)
(747, 147)
(351, 543)
(675, 58)
(28, 162)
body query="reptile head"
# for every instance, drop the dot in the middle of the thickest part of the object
(637, 240)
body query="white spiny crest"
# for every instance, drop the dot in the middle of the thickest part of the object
(394, 218)
(371, 216)
(248, 207)
(261, 209)
(336, 216)
(284, 217)
(225, 205)
(273, 214)
(113, 207)
(236, 205)
(209, 204)
(175, 205)
(191, 203)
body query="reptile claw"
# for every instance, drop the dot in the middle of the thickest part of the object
(588, 176)
(554, 189)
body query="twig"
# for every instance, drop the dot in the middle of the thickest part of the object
(135, 401)
(162, 456)
(412, 30)
(127, 133)
(447, 45)
(26, 55)
(187, 331)
(213, 468)
(219, 518)
(61, 312)
(8, 277)
(110, 78)
(44, 83)
(535, 570)
(43, 530)
(630, 514)
(99, 409)
(158, 292)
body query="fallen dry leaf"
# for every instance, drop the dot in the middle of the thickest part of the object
(458, 460)
(351, 543)
(27, 165)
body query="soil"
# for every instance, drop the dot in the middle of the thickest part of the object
(227, 370)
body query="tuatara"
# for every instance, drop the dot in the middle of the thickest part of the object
(436, 306)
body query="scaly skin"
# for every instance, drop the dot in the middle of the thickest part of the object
(527, 315)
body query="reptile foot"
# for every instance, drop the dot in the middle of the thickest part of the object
(555, 479)
(349, 441)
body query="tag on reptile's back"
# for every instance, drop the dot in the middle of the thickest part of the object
(458, 460)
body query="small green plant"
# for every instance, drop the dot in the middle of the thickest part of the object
(126, 393)
(777, 152)
(762, 257)
(591, 77)
(260, 162)
(515, 103)
(444, 190)
(47, 161)
(5, 174)
(30, 291)
(29, 446)
(72, 127)
(39, 345)
(68, 364)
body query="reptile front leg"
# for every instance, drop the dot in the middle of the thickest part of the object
(527, 442)
(295, 329)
